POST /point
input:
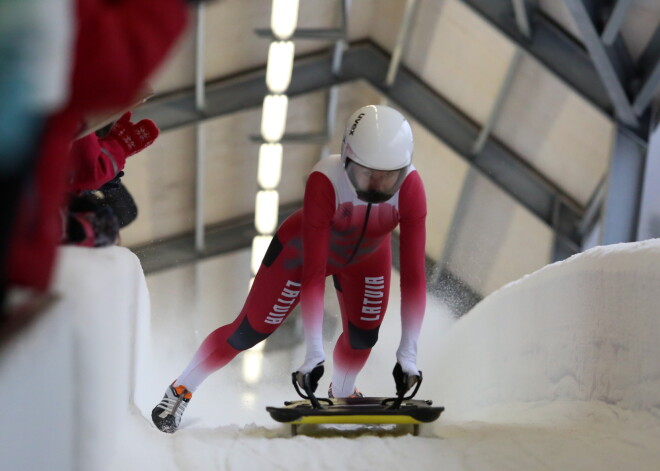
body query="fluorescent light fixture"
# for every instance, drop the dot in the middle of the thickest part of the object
(280, 65)
(265, 214)
(259, 246)
(273, 117)
(284, 18)
(270, 166)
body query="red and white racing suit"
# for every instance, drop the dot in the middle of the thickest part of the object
(334, 234)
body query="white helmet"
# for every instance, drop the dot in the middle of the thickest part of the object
(377, 150)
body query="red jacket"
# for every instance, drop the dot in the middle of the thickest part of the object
(119, 43)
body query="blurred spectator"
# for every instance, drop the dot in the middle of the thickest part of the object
(94, 218)
(118, 44)
(115, 195)
(90, 223)
(35, 48)
(100, 205)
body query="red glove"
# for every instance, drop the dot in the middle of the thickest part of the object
(133, 137)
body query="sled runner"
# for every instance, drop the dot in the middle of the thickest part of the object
(356, 410)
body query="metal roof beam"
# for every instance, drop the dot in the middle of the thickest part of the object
(649, 58)
(649, 68)
(402, 40)
(496, 110)
(237, 93)
(615, 21)
(551, 46)
(323, 34)
(565, 57)
(613, 73)
(200, 137)
(648, 90)
(624, 190)
(649, 214)
(226, 237)
(522, 13)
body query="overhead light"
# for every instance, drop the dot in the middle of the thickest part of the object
(279, 66)
(273, 118)
(270, 166)
(266, 211)
(259, 246)
(284, 18)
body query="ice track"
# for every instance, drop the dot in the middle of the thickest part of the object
(559, 370)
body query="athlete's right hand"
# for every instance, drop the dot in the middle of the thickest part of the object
(403, 380)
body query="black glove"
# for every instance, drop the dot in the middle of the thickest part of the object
(404, 381)
(310, 381)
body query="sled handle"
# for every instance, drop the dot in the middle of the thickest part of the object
(308, 389)
(401, 395)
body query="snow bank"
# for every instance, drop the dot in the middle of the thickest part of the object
(37, 407)
(585, 329)
(70, 374)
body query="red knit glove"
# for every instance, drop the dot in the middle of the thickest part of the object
(133, 137)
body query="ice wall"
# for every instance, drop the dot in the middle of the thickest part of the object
(68, 378)
(585, 329)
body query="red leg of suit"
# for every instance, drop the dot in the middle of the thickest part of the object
(363, 295)
(274, 294)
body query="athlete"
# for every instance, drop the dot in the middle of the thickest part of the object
(352, 203)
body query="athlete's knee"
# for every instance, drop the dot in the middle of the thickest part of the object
(362, 339)
(245, 336)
